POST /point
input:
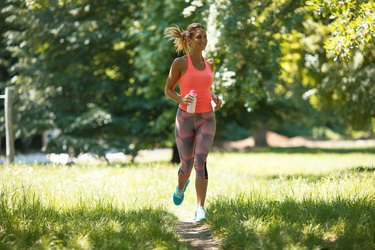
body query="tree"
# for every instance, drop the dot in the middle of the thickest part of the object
(260, 57)
(272, 60)
(351, 26)
(4, 64)
(95, 71)
(76, 73)
(347, 72)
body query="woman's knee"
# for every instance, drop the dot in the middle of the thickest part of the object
(200, 166)
(184, 173)
(186, 167)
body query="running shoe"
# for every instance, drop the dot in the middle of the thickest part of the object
(200, 215)
(178, 195)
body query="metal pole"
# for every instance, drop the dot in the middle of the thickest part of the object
(9, 135)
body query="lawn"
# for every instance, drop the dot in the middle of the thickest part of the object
(271, 199)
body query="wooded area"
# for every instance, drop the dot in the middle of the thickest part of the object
(96, 69)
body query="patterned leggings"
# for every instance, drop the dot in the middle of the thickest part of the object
(194, 136)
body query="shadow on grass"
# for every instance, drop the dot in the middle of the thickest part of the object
(26, 224)
(310, 224)
(364, 169)
(137, 164)
(306, 150)
(318, 177)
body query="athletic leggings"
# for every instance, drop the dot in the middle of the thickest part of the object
(194, 136)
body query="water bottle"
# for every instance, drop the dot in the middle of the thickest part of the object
(191, 106)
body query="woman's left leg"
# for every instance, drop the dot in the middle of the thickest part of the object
(205, 124)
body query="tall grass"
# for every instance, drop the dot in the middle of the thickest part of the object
(82, 207)
(255, 200)
(296, 201)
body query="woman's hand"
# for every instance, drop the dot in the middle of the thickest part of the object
(217, 101)
(187, 99)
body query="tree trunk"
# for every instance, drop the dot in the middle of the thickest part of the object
(260, 135)
(175, 155)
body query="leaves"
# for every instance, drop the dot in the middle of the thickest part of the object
(96, 70)
(351, 25)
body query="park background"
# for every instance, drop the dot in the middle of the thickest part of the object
(93, 72)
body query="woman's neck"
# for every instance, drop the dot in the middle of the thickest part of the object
(196, 55)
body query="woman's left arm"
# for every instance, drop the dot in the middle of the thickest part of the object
(214, 97)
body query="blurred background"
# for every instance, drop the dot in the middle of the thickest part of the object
(89, 75)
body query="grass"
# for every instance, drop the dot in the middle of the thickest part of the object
(257, 223)
(257, 200)
(296, 201)
(85, 207)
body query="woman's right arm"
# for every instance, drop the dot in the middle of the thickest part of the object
(174, 75)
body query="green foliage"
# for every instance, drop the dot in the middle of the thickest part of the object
(96, 70)
(5, 62)
(5, 59)
(260, 57)
(76, 73)
(351, 24)
(342, 87)
(271, 61)
(348, 89)
(96, 75)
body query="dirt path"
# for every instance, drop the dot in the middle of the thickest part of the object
(198, 235)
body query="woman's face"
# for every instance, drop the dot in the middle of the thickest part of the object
(199, 39)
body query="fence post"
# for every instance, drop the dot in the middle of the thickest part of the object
(9, 135)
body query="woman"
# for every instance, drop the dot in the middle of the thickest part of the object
(194, 131)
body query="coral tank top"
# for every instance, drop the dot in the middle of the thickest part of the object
(201, 81)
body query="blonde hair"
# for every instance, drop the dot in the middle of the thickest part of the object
(180, 37)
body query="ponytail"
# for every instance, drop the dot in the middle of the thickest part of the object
(179, 37)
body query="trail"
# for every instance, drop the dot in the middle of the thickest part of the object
(199, 236)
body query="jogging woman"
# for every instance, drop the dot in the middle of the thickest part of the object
(194, 131)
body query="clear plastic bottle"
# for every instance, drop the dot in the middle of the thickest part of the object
(191, 106)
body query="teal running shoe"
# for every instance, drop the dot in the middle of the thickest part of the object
(200, 215)
(178, 195)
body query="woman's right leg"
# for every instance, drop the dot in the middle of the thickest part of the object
(185, 144)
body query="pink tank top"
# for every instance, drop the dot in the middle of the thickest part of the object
(201, 81)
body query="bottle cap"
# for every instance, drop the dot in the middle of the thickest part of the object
(193, 91)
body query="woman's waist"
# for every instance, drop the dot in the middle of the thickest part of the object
(200, 107)
(201, 94)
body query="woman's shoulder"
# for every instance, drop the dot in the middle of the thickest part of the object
(180, 62)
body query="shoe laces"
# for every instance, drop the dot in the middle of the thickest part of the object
(179, 193)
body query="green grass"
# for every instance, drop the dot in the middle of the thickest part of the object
(296, 201)
(261, 200)
(83, 207)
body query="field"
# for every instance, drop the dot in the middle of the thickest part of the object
(270, 199)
